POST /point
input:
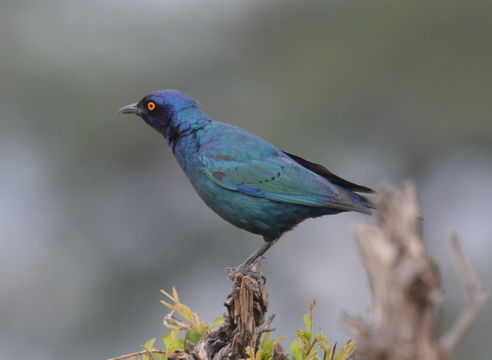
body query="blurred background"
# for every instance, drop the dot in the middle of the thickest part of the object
(96, 216)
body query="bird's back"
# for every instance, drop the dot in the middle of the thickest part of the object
(240, 161)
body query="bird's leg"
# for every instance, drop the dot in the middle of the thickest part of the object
(245, 266)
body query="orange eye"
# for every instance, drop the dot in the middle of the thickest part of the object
(151, 105)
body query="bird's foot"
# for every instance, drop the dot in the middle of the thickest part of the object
(246, 270)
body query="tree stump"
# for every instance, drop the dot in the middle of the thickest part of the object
(405, 286)
(244, 324)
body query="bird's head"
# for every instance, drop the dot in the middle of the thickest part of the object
(167, 111)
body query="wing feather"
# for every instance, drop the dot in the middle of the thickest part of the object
(279, 178)
(328, 175)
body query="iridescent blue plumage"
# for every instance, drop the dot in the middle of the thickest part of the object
(243, 178)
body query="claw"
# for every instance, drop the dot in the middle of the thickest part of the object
(246, 271)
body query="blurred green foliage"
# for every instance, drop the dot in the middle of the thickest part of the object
(309, 345)
(186, 329)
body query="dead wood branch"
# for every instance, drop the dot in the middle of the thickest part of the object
(476, 298)
(244, 324)
(405, 286)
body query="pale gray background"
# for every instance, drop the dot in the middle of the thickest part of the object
(96, 216)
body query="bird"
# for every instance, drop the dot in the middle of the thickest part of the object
(243, 178)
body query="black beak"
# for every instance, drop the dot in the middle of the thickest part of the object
(131, 109)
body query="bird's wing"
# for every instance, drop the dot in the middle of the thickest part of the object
(279, 178)
(328, 175)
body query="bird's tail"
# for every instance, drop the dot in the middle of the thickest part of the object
(360, 203)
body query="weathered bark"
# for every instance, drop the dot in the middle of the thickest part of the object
(405, 286)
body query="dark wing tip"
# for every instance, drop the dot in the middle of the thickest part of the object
(328, 175)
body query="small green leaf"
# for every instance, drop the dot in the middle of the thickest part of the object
(159, 356)
(175, 295)
(193, 336)
(304, 336)
(326, 350)
(217, 321)
(265, 340)
(250, 353)
(172, 341)
(347, 351)
(308, 322)
(149, 344)
(185, 311)
(297, 350)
